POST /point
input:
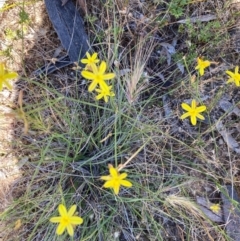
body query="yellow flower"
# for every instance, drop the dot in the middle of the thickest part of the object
(215, 207)
(90, 60)
(115, 180)
(18, 225)
(5, 76)
(98, 76)
(202, 65)
(104, 93)
(235, 77)
(193, 111)
(66, 220)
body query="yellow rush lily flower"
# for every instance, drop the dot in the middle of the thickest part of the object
(201, 65)
(104, 93)
(5, 76)
(90, 60)
(115, 180)
(98, 76)
(234, 77)
(215, 207)
(66, 220)
(193, 111)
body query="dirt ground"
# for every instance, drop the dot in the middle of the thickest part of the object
(41, 46)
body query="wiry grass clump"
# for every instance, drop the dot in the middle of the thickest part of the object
(71, 137)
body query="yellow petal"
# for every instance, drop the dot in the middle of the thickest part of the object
(185, 115)
(113, 171)
(116, 189)
(230, 80)
(8, 85)
(72, 210)
(125, 183)
(186, 107)
(88, 75)
(123, 175)
(103, 85)
(106, 178)
(76, 220)
(92, 86)
(206, 63)
(2, 67)
(194, 104)
(100, 96)
(62, 210)
(108, 76)
(94, 56)
(1, 85)
(11, 75)
(88, 55)
(201, 108)
(60, 229)
(55, 219)
(84, 61)
(199, 61)
(94, 69)
(201, 117)
(108, 184)
(230, 73)
(236, 69)
(102, 67)
(201, 71)
(193, 120)
(70, 230)
(106, 98)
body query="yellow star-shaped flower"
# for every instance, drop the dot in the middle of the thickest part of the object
(97, 76)
(215, 207)
(193, 111)
(201, 65)
(115, 180)
(66, 220)
(5, 76)
(90, 60)
(234, 77)
(104, 93)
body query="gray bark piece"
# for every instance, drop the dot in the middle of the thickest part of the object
(204, 205)
(69, 26)
(231, 142)
(229, 107)
(231, 212)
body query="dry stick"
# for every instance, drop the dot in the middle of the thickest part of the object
(130, 159)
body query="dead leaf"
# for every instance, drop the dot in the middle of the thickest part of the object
(204, 205)
(230, 141)
(229, 107)
(202, 18)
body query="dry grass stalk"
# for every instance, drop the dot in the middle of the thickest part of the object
(185, 204)
(135, 82)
